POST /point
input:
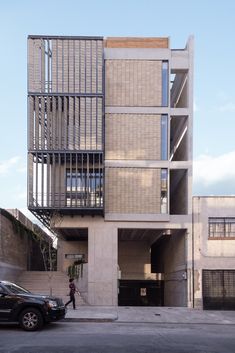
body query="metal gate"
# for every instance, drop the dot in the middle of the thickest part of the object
(218, 288)
(140, 293)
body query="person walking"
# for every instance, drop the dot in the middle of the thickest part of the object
(72, 291)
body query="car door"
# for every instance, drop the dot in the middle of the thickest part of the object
(7, 302)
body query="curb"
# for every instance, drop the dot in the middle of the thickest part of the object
(177, 323)
(145, 322)
(89, 319)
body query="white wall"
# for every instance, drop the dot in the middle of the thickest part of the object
(210, 254)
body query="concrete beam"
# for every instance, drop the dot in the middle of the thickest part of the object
(137, 110)
(136, 54)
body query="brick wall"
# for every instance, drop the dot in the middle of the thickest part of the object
(19, 249)
(132, 190)
(133, 83)
(133, 136)
(14, 245)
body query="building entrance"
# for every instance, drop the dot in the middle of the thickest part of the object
(141, 293)
(152, 267)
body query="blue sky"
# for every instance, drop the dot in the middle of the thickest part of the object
(211, 22)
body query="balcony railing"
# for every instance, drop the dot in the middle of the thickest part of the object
(78, 200)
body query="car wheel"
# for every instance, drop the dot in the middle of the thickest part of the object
(31, 319)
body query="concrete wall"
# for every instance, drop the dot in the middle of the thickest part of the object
(106, 255)
(210, 254)
(134, 260)
(102, 257)
(102, 262)
(73, 247)
(13, 249)
(70, 247)
(175, 281)
(20, 248)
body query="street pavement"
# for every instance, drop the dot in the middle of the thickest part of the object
(167, 315)
(104, 329)
(119, 337)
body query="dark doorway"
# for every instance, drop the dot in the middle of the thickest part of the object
(140, 293)
(218, 289)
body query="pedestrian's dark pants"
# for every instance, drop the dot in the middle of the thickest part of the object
(72, 300)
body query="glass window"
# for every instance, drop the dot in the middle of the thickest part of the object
(14, 288)
(84, 189)
(164, 140)
(165, 83)
(164, 177)
(221, 227)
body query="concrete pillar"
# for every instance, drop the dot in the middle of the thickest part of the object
(102, 260)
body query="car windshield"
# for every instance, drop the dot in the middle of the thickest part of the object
(14, 288)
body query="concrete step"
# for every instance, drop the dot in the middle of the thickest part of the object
(50, 283)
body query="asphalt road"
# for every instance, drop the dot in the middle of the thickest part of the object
(117, 337)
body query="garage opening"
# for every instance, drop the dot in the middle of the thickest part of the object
(152, 267)
(218, 288)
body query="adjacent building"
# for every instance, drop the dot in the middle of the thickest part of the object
(110, 162)
(24, 246)
(213, 252)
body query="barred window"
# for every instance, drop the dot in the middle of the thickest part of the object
(222, 227)
(84, 188)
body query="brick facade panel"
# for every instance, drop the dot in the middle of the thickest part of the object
(133, 83)
(133, 136)
(133, 190)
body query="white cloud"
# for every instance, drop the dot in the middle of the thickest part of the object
(6, 166)
(209, 170)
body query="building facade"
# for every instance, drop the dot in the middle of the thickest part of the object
(213, 252)
(110, 162)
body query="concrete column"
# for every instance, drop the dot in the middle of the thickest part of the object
(102, 260)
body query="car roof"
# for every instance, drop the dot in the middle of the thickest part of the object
(6, 282)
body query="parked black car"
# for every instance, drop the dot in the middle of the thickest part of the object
(32, 311)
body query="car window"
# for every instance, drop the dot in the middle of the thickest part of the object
(14, 288)
(2, 290)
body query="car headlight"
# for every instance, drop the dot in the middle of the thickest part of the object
(52, 303)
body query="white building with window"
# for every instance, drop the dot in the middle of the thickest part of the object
(213, 252)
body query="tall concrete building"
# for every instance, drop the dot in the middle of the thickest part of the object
(110, 162)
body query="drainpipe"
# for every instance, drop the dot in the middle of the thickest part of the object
(193, 253)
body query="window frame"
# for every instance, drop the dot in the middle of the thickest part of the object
(224, 231)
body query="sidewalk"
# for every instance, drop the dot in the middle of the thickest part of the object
(166, 315)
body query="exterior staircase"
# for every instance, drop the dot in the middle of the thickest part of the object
(54, 283)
